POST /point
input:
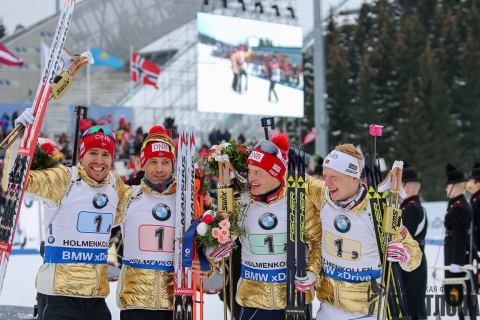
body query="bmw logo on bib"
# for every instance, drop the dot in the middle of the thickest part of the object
(51, 239)
(161, 212)
(268, 221)
(100, 200)
(342, 223)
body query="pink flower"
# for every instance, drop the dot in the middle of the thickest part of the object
(242, 150)
(224, 224)
(224, 233)
(225, 215)
(222, 239)
(216, 232)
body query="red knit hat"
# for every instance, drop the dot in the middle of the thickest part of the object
(158, 143)
(271, 159)
(97, 137)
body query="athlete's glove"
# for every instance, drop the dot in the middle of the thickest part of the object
(455, 268)
(221, 252)
(25, 118)
(396, 252)
(304, 284)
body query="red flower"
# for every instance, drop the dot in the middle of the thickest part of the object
(208, 219)
(48, 148)
(242, 150)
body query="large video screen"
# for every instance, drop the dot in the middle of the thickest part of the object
(249, 66)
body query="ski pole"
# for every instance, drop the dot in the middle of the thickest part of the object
(268, 122)
(79, 111)
(11, 137)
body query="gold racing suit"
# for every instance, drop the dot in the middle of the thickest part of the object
(69, 279)
(272, 296)
(352, 297)
(143, 288)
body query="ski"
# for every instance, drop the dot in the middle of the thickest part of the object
(300, 241)
(291, 198)
(183, 288)
(296, 232)
(19, 174)
(396, 305)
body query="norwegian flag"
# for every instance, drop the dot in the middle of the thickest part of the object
(6, 57)
(309, 137)
(144, 71)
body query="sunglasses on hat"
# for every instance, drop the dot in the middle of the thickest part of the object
(269, 147)
(96, 129)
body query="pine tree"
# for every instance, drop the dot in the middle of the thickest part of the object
(380, 59)
(443, 143)
(469, 106)
(338, 102)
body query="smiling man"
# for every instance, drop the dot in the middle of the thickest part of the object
(261, 290)
(349, 254)
(148, 228)
(80, 207)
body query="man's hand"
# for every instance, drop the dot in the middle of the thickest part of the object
(304, 284)
(198, 269)
(25, 118)
(455, 268)
(396, 252)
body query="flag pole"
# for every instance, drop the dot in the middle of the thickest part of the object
(130, 58)
(88, 77)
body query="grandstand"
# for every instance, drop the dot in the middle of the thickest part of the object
(161, 30)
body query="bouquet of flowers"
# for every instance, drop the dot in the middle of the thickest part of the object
(217, 228)
(45, 154)
(237, 155)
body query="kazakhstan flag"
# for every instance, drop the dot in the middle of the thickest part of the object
(103, 58)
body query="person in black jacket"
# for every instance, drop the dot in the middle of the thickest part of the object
(458, 243)
(474, 184)
(415, 220)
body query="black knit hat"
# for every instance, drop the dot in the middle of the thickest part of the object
(475, 174)
(454, 175)
(409, 174)
(319, 167)
(137, 148)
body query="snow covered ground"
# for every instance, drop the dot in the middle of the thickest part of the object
(19, 289)
(215, 93)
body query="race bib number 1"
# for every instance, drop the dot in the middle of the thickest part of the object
(262, 244)
(94, 222)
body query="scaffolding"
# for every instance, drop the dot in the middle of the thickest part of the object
(177, 94)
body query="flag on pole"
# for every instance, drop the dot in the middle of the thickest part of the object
(6, 57)
(144, 71)
(103, 58)
(309, 137)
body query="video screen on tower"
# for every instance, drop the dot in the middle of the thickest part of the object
(249, 66)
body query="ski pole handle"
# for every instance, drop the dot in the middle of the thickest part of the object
(376, 130)
(268, 122)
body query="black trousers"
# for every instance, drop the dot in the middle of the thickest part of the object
(262, 314)
(141, 314)
(272, 89)
(70, 308)
(415, 283)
